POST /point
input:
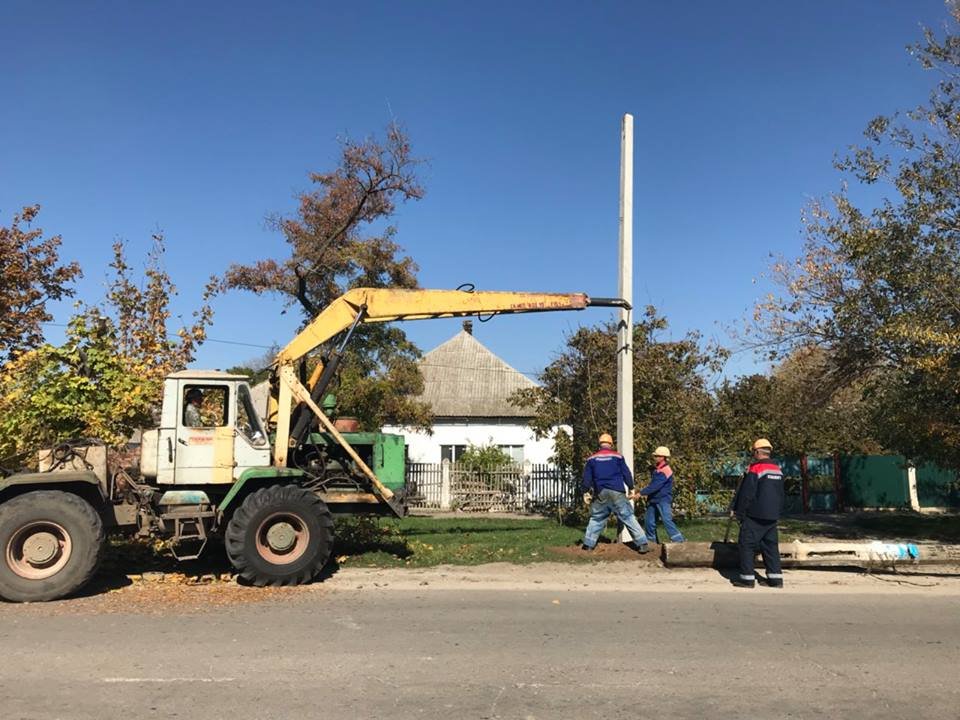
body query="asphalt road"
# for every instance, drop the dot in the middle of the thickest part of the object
(471, 652)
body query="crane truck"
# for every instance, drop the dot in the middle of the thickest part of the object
(212, 470)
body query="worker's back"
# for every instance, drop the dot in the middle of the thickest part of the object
(607, 470)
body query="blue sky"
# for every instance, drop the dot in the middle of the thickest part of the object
(200, 119)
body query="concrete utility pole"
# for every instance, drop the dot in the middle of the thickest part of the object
(625, 321)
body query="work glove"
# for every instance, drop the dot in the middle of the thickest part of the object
(587, 499)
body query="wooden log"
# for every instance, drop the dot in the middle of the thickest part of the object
(799, 554)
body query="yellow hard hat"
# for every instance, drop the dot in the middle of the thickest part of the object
(662, 451)
(762, 443)
(605, 438)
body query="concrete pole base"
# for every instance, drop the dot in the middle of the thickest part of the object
(722, 555)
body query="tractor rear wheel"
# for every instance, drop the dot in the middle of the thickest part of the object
(281, 535)
(50, 545)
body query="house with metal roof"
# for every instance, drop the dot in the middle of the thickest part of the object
(468, 388)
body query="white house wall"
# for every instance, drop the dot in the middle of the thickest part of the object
(424, 448)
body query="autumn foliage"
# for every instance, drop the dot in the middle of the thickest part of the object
(32, 276)
(105, 380)
(339, 240)
(877, 290)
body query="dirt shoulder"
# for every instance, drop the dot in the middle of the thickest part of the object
(175, 593)
(641, 576)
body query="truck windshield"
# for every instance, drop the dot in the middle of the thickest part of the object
(248, 421)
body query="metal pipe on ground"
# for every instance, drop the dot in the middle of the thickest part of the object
(723, 555)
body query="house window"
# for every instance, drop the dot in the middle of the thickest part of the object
(514, 451)
(453, 453)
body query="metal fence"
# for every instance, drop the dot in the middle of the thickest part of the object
(512, 488)
(550, 487)
(813, 483)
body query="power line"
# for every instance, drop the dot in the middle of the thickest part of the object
(209, 339)
(428, 364)
(237, 342)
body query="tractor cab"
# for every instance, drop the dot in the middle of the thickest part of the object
(210, 431)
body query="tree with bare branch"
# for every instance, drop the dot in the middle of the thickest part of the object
(340, 239)
(878, 289)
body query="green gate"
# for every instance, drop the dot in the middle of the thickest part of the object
(871, 481)
(937, 487)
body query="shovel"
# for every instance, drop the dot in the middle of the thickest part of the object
(726, 535)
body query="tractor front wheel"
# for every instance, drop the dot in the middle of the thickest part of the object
(281, 535)
(51, 542)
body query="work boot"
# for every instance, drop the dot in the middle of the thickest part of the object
(643, 549)
(741, 583)
(776, 583)
(587, 548)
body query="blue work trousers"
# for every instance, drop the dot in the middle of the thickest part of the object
(610, 502)
(661, 508)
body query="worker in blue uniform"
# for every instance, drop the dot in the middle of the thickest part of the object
(606, 482)
(659, 494)
(757, 505)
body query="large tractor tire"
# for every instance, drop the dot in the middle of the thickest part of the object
(281, 535)
(51, 543)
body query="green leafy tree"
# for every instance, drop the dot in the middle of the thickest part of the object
(338, 240)
(483, 458)
(672, 403)
(82, 388)
(794, 409)
(879, 288)
(106, 379)
(32, 276)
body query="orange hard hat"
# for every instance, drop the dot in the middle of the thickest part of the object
(762, 444)
(605, 438)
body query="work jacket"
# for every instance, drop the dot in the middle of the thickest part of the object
(661, 484)
(606, 470)
(760, 495)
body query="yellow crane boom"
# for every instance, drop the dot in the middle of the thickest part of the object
(380, 305)
(368, 305)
